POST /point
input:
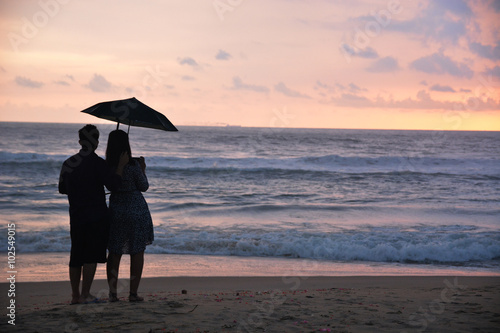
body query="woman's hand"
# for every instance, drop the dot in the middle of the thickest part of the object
(124, 159)
(142, 163)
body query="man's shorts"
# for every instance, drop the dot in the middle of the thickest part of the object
(89, 240)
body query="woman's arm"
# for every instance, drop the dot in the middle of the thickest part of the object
(141, 180)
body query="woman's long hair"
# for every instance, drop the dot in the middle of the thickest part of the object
(117, 144)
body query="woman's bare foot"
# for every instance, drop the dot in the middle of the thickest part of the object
(113, 297)
(135, 298)
(75, 299)
(87, 299)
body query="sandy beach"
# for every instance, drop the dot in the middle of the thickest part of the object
(265, 304)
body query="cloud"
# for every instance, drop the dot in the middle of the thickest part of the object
(438, 63)
(495, 71)
(323, 89)
(282, 88)
(423, 101)
(98, 83)
(458, 7)
(65, 80)
(383, 65)
(188, 78)
(322, 85)
(239, 85)
(2, 69)
(353, 100)
(222, 55)
(486, 51)
(62, 83)
(424, 96)
(188, 61)
(351, 88)
(495, 5)
(355, 88)
(440, 88)
(441, 20)
(367, 53)
(25, 82)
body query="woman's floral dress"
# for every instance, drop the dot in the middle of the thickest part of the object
(131, 227)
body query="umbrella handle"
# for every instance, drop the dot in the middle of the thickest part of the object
(117, 124)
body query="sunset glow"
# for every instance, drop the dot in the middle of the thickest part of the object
(283, 63)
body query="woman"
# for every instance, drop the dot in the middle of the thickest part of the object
(131, 224)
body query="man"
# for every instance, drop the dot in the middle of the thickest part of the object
(83, 177)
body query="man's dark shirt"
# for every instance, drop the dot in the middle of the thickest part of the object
(83, 177)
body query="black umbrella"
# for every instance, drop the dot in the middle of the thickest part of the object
(131, 112)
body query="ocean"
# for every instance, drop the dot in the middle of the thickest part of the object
(243, 201)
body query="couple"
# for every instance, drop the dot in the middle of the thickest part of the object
(126, 228)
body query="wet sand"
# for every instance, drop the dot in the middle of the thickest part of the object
(265, 304)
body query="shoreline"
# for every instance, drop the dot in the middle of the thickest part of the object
(53, 266)
(276, 304)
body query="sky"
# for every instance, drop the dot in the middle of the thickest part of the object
(389, 64)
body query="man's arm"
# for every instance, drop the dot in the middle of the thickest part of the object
(62, 179)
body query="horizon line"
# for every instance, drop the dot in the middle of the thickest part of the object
(243, 126)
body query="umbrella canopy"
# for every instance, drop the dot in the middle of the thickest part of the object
(131, 112)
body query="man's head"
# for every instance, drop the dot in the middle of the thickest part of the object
(89, 137)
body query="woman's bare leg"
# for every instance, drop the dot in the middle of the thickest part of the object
(136, 266)
(112, 269)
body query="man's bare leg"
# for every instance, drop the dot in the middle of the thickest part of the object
(75, 274)
(88, 278)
